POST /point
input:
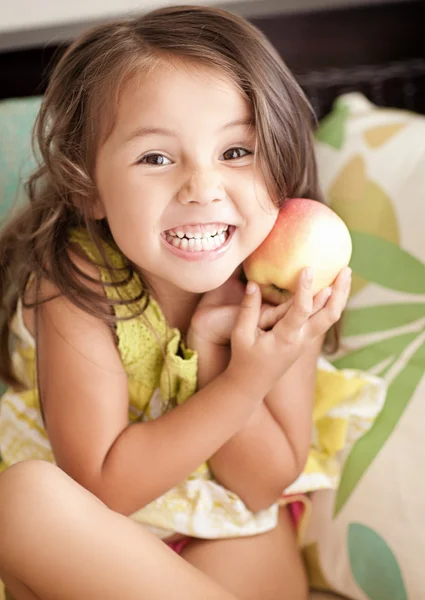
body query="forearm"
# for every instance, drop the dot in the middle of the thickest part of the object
(148, 459)
(258, 462)
(294, 419)
(291, 403)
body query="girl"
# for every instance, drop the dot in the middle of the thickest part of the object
(138, 362)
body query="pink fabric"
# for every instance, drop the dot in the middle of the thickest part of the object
(179, 546)
(296, 510)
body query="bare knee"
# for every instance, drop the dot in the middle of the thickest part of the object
(29, 477)
(24, 480)
(35, 489)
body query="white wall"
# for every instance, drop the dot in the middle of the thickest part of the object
(29, 22)
(26, 14)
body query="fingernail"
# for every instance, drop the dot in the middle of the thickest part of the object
(251, 287)
(308, 275)
(328, 292)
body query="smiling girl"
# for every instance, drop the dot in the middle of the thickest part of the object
(146, 380)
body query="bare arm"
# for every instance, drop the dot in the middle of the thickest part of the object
(269, 453)
(85, 400)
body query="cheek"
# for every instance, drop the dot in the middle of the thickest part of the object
(256, 201)
(124, 197)
(261, 211)
(262, 226)
(132, 212)
(262, 219)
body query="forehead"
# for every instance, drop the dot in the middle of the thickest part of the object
(180, 94)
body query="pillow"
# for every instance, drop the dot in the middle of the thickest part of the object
(367, 538)
(16, 159)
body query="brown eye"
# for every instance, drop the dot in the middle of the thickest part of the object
(157, 160)
(235, 153)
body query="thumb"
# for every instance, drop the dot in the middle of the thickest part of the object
(249, 313)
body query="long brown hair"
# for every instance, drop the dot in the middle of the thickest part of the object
(84, 87)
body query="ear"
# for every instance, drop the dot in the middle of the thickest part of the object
(91, 207)
(98, 210)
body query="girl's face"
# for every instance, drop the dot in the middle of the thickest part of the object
(176, 179)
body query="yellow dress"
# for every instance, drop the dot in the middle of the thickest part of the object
(162, 373)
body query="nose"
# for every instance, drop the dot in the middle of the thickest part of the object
(203, 187)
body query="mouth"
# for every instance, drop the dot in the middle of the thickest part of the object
(199, 241)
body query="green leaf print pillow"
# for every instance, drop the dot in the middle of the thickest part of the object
(367, 539)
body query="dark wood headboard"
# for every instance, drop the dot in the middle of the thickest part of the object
(378, 49)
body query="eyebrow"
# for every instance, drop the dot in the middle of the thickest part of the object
(247, 122)
(144, 131)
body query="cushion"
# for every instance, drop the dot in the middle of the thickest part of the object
(16, 159)
(367, 538)
(17, 118)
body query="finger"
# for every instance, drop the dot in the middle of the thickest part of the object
(340, 293)
(291, 327)
(302, 305)
(332, 311)
(270, 315)
(249, 314)
(321, 298)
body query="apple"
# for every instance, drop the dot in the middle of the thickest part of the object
(307, 233)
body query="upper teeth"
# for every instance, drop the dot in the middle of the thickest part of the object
(210, 238)
(198, 234)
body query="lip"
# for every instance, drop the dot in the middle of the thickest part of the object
(203, 255)
(197, 226)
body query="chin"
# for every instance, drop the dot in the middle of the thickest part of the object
(202, 285)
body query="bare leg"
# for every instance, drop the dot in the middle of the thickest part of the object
(59, 541)
(267, 566)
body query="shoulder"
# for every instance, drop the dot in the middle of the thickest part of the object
(78, 277)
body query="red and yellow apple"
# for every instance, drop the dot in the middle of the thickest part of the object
(306, 233)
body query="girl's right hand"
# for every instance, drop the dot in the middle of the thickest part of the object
(260, 358)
